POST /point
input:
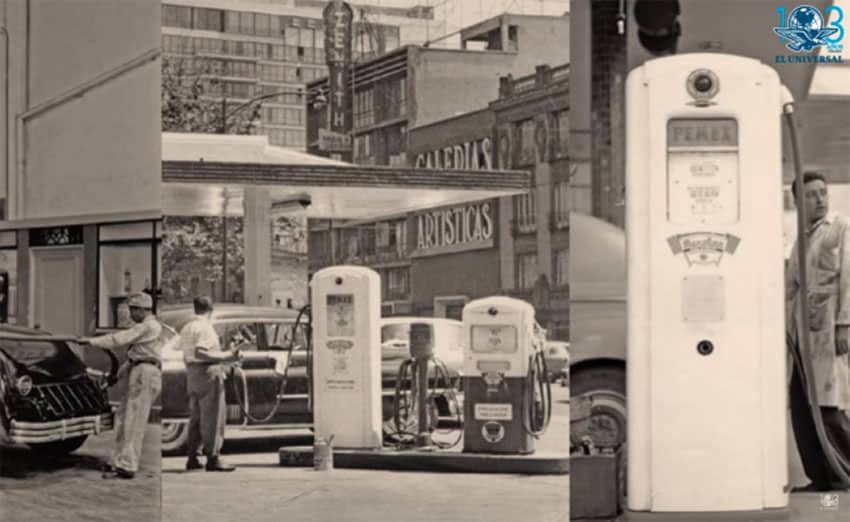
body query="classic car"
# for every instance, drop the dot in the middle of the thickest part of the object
(272, 348)
(50, 400)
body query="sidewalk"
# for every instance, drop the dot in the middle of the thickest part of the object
(262, 492)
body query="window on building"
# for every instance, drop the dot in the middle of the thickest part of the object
(525, 212)
(177, 16)
(278, 52)
(209, 19)
(231, 21)
(397, 284)
(396, 98)
(391, 38)
(526, 271)
(240, 69)
(8, 277)
(561, 204)
(238, 90)
(128, 261)
(363, 151)
(561, 267)
(246, 23)
(563, 122)
(274, 26)
(364, 108)
(261, 25)
(525, 145)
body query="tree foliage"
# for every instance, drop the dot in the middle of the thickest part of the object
(192, 245)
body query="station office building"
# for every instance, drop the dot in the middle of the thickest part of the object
(81, 168)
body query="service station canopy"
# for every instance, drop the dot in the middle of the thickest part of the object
(206, 175)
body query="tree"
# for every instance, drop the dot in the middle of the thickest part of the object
(192, 245)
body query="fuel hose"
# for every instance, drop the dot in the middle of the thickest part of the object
(539, 413)
(802, 352)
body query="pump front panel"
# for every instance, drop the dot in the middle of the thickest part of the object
(346, 356)
(705, 266)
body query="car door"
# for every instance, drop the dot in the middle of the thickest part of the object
(252, 386)
(286, 350)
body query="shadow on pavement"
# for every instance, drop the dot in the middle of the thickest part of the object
(24, 463)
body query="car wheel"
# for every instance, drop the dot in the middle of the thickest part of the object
(605, 388)
(59, 447)
(174, 437)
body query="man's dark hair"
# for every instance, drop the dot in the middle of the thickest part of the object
(807, 177)
(203, 305)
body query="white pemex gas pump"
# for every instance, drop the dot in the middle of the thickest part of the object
(706, 372)
(507, 399)
(346, 312)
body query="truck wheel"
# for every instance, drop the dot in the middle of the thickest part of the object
(59, 447)
(605, 386)
(174, 437)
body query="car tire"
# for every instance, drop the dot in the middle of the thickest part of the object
(606, 387)
(175, 436)
(59, 447)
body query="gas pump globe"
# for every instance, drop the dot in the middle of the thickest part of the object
(507, 399)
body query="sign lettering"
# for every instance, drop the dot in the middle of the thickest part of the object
(471, 155)
(337, 17)
(455, 229)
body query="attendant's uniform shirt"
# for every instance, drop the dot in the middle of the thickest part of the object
(828, 274)
(198, 333)
(142, 338)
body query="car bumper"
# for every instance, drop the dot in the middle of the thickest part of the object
(39, 432)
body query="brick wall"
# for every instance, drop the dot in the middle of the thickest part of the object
(608, 66)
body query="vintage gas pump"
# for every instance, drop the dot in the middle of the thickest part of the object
(507, 399)
(346, 360)
(706, 372)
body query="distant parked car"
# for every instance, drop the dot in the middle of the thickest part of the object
(270, 345)
(50, 401)
(557, 356)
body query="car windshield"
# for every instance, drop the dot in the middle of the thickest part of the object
(45, 357)
(280, 334)
(448, 336)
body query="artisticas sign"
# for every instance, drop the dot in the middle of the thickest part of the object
(471, 155)
(455, 229)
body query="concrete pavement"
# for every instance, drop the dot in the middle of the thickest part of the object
(34, 488)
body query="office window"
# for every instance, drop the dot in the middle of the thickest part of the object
(305, 45)
(246, 23)
(525, 212)
(526, 271)
(363, 152)
(398, 284)
(177, 16)
(209, 19)
(561, 267)
(276, 137)
(319, 39)
(295, 138)
(261, 25)
(240, 69)
(525, 145)
(563, 130)
(391, 38)
(231, 21)
(274, 26)
(561, 204)
(238, 90)
(396, 98)
(364, 108)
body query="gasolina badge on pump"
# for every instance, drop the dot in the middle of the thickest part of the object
(703, 248)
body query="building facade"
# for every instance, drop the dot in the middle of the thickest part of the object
(434, 262)
(80, 162)
(415, 86)
(258, 48)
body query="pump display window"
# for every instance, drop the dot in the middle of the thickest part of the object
(128, 262)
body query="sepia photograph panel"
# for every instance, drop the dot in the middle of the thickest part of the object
(365, 259)
(708, 334)
(79, 226)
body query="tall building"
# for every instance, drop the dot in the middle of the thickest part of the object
(246, 49)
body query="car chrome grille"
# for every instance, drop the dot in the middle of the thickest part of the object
(62, 399)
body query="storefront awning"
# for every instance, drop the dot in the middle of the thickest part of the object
(208, 174)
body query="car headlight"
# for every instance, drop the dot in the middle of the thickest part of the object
(24, 384)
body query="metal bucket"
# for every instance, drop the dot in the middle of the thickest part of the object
(323, 454)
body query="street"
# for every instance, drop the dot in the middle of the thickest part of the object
(260, 490)
(36, 489)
